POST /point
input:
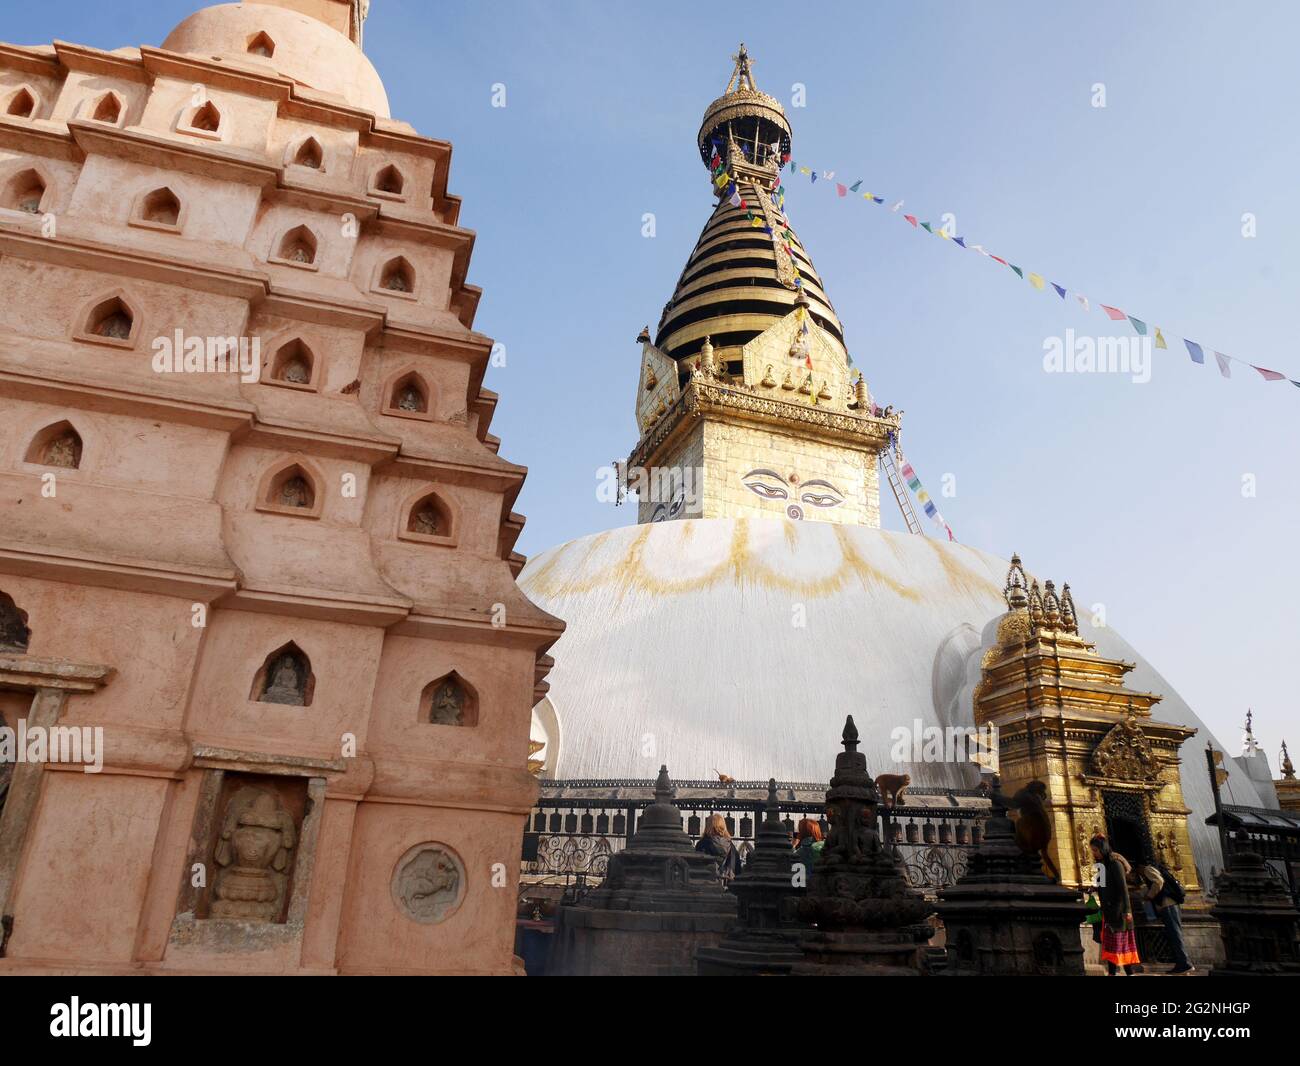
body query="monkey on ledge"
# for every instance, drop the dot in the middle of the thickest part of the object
(1033, 827)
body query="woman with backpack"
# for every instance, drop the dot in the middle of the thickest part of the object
(1118, 937)
(1165, 895)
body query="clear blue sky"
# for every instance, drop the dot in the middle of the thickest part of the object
(1130, 492)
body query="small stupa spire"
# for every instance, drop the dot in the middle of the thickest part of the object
(1069, 619)
(1035, 605)
(1014, 592)
(1051, 606)
(1288, 768)
(1249, 745)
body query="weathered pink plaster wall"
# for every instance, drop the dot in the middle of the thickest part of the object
(165, 556)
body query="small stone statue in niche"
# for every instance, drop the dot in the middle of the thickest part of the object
(14, 634)
(288, 682)
(410, 399)
(64, 451)
(448, 704)
(295, 492)
(253, 852)
(426, 522)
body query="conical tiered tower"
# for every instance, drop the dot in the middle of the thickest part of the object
(741, 277)
(747, 402)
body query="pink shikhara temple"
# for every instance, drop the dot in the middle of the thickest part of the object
(265, 673)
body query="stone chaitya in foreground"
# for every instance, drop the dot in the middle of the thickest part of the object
(660, 900)
(1006, 916)
(869, 920)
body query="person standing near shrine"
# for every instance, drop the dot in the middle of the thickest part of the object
(1165, 895)
(807, 847)
(1118, 934)
(717, 842)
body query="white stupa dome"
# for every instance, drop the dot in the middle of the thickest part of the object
(739, 645)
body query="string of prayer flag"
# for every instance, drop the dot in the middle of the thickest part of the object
(1140, 326)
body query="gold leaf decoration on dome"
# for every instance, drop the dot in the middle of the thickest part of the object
(1014, 627)
(1125, 754)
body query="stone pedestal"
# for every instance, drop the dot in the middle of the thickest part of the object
(660, 901)
(1258, 919)
(1006, 916)
(869, 920)
(765, 941)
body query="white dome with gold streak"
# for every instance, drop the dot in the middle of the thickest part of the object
(739, 645)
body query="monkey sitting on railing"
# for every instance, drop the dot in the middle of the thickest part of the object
(1033, 827)
(891, 786)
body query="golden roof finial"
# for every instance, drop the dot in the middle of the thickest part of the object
(1035, 605)
(1288, 768)
(741, 77)
(1051, 606)
(1069, 620)
(1014, 592)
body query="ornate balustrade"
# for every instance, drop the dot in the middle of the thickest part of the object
(577, 825)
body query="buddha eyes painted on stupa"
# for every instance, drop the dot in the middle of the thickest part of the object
(769, 485)
(667, 511)
(830, 497)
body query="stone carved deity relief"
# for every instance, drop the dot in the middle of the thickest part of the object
(429, 883)
(254, 854)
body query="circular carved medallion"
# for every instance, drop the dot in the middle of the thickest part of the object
(429, 883)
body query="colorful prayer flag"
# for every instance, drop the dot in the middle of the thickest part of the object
(1225, 365)
(1160, 340)
(1269, 375)
(1037, 281)
(1059, 291)
(1114, 313)
(1197, 354)
(911, 219)
(1138, 325)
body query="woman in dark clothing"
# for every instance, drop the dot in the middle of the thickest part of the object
(1118, 938)
(716, 841)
